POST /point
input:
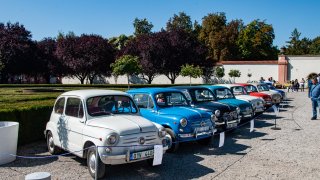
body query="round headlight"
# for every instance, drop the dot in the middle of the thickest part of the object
(238, 110)
(112, 139)
(217, 113)
(213, 118)
(183, 122)
(162, 133)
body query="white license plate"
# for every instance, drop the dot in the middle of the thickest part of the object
(141, 155)
(202, 129)
(232, 125)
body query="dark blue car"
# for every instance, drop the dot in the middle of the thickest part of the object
(171, 109)
(271, 87)
(226, 115)
(225, 95)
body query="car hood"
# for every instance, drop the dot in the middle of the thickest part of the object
(123, 124)
(187, 112)
(269, 92)
(248, 98)
(215, 106)
(258, 94)
(236, 102)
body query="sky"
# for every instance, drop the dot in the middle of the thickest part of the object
(109, 18)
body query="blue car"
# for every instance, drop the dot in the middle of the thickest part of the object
(171, 109)
(226, 115)
(271, 87)
(224, 95)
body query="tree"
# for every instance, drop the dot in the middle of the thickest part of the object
(182, 48)
(296, 46)
(219, 73)
(180, 22)
(249, 76)
(126, 65)
(211, 33)
(256, 41)
(191, 71)
(315, 46)
(152, 50)
(234, 73)
(120, 42)
(142, 26)
(48, 63)
(86, 56)
(16, 51)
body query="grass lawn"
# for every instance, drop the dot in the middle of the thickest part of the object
(14, 98)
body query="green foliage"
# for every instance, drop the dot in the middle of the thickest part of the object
(180, 21)
(191, 71)
(142, 26)
(120, 42)
(126, 65)
(32, 122)
(256, 41)
(234, 73)
(219, 72)
(315, 46)
(297, 46)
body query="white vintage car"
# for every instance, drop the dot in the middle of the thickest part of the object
(109, 120)
(241, 93)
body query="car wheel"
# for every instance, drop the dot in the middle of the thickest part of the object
(205, 141)
(52, 148)
(174, 142)
(91, 163)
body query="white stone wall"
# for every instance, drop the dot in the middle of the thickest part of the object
(301, 66)
(257, 71)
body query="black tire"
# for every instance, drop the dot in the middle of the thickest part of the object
(205, 141)
(175, 144)
(52, 148)
(91, 158)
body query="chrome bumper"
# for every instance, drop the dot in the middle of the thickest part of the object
(123, 158)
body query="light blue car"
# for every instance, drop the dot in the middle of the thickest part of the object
(171, 109)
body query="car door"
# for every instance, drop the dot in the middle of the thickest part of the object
(146, 106)
(58, 119)
(74, 118)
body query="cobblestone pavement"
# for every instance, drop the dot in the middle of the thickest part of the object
(289, 153)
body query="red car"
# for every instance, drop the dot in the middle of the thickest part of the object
(252, 90)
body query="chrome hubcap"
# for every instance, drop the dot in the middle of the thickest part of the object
(169, 140)
(50, 143)
(92, 163)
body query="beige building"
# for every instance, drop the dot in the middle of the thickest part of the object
(284, 69)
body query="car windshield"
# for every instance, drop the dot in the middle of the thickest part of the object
(110, 104)
(263, 87)
(251, 88)
(224, 93)
(202, 95)
(168, 99)
(239, 90)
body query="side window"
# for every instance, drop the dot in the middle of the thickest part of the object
(74, 108)
(58, 108)
(143, 101)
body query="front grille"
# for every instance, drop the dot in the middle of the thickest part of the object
(229, 116)
(149, 139)
(198, 123)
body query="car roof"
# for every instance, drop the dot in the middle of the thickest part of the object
(152, 90)
(229, 85)
(214, 87)
(188, 87)
(87, 93)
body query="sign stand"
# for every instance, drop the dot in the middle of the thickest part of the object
(276, 111)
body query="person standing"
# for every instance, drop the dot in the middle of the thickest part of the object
(302, 82)
(296, 85)
(309, 86)
(315, 97)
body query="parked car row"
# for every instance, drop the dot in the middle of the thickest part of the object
(127, 125)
